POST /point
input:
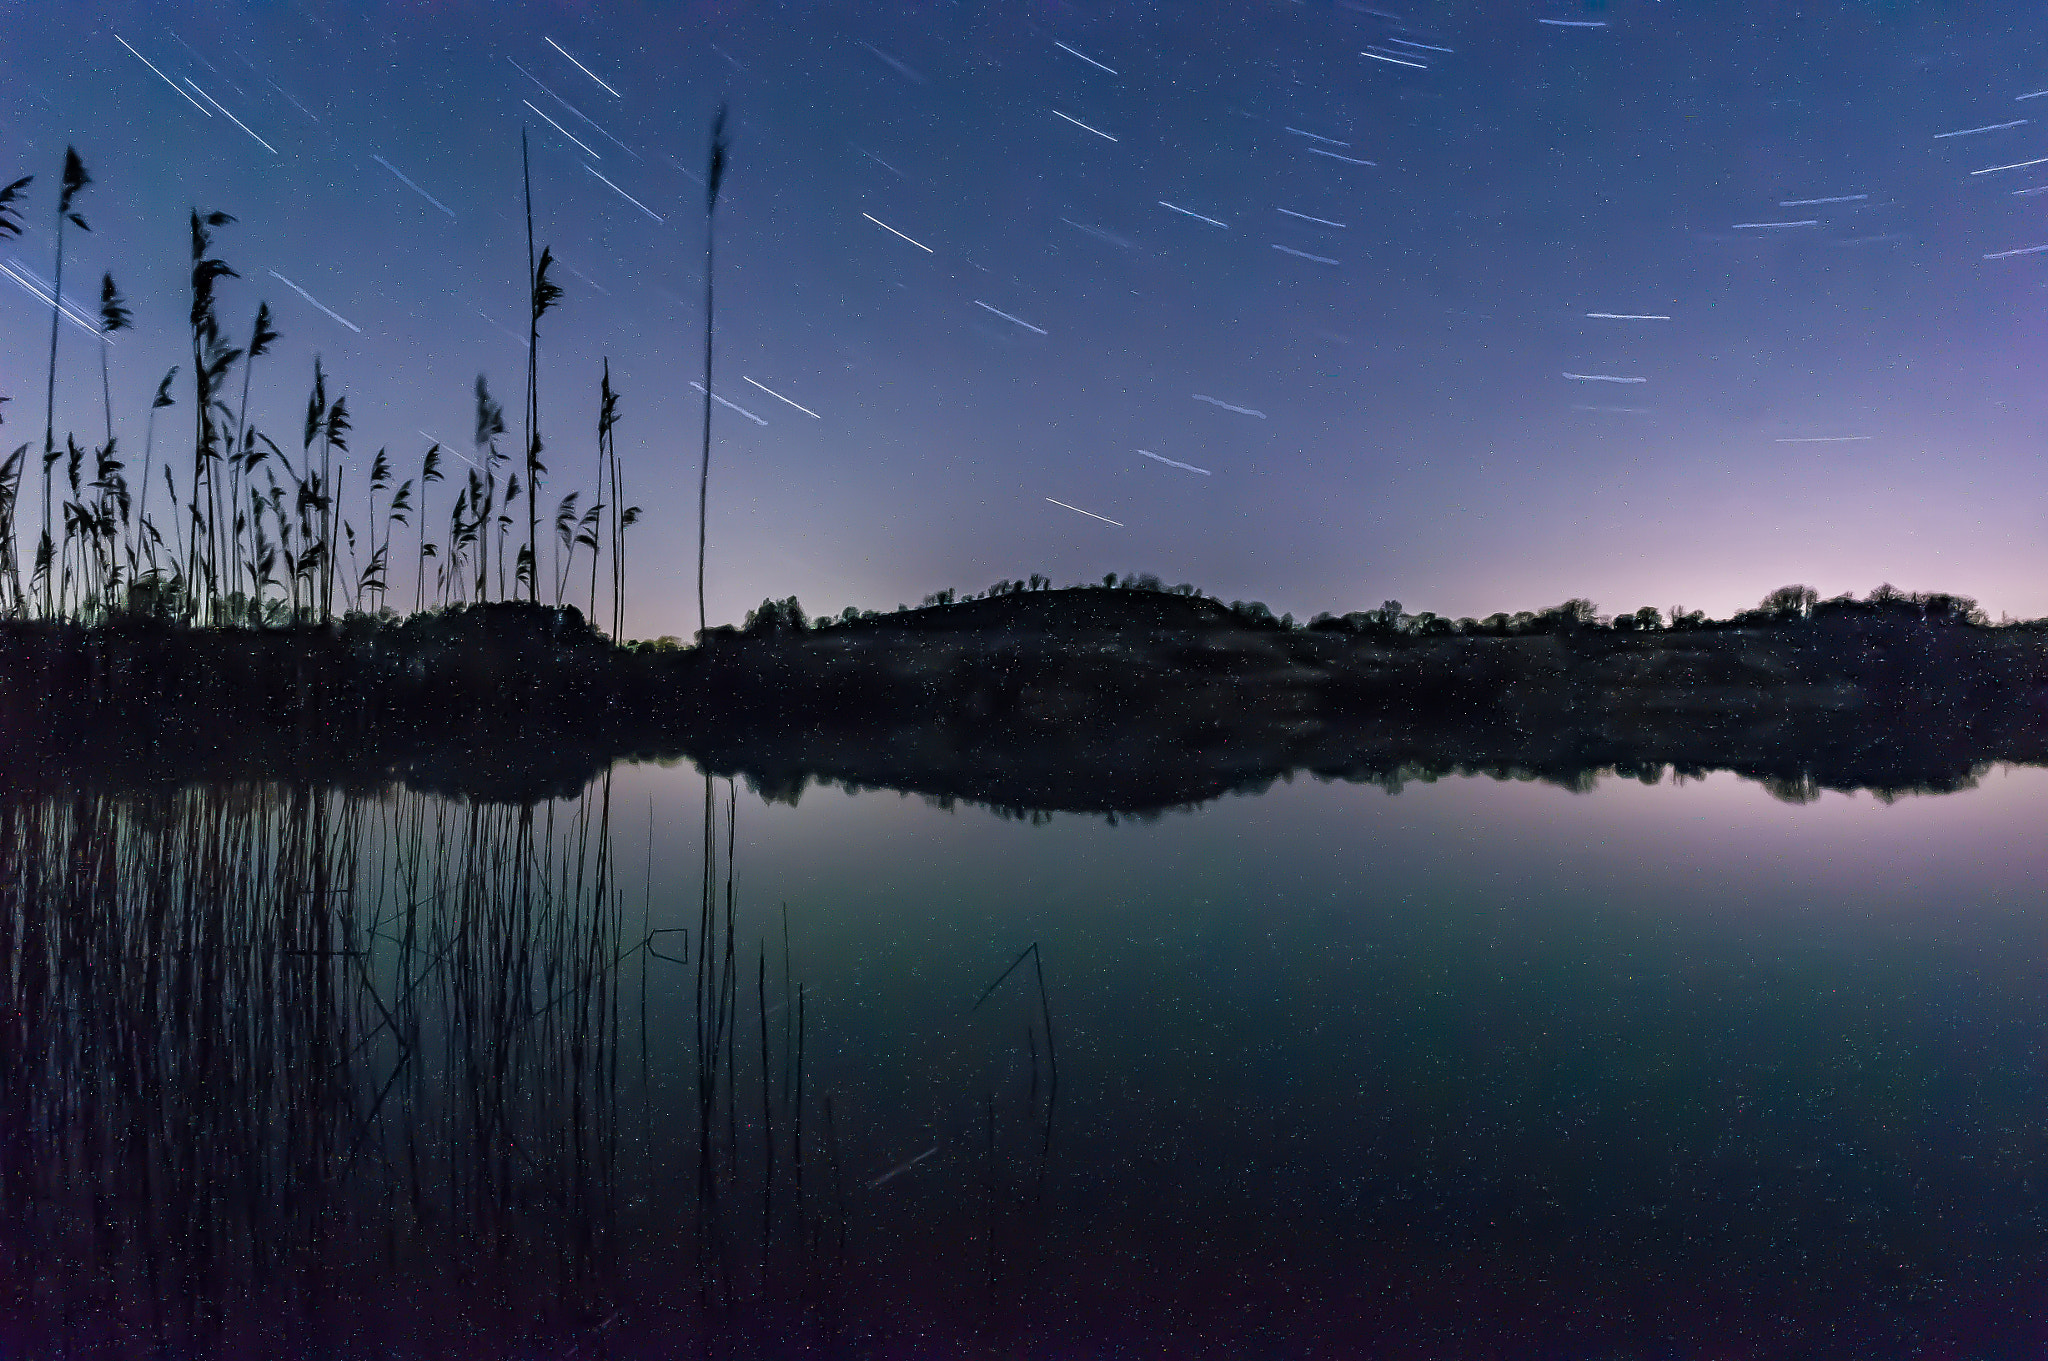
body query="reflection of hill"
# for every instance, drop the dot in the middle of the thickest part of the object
(1149, 717)
(1099, 701)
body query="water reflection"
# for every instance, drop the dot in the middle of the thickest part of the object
(265, 1043)
(291, 1071)
(1484, 1069)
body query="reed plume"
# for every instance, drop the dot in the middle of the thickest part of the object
(114, 316)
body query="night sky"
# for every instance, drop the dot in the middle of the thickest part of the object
(1845, 401)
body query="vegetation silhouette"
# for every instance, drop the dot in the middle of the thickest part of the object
(253, 538)
(243, 636)
(714, 176)
(1119, 701)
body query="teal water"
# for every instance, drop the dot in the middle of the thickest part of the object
(1480, 1068)
(1478, 1062)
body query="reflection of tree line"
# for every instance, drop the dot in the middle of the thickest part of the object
(263, 1049)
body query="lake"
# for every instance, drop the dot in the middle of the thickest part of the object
(1479, 1068)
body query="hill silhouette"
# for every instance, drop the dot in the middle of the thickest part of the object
(1117, 701)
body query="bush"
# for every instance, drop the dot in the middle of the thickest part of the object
(1571, 616)
(776, 616)
(1790, 602)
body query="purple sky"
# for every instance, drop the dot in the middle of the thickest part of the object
(1841, 403)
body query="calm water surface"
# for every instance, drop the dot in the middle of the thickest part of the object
(1479, 1069)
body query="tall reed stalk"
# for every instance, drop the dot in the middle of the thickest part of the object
(212, 357)
(261, 338)
(607, 417)
(11, 197)
(430, 472)
(114, 316)
(490, 423)
(532, 338)
(75, 179)
(541, 295)
(714, 177)
(143, 525)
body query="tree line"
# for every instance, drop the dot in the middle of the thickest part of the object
(1787, 605)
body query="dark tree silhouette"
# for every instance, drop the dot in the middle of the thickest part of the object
(1791, 602)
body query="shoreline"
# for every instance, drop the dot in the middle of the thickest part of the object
(1130, 716)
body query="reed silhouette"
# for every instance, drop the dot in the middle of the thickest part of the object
(713, 178)
(542, 294)
(255, 537)
(75, 179)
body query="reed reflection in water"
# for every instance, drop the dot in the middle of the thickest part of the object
(283, 1065)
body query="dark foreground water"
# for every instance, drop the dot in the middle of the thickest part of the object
(1485, 1069)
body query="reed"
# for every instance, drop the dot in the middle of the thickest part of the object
(143, 526)
(430, 473)
(607, 419)
(114, 316)
(257, 537)
(246, 454)
(714, 177)
(212, 357)
(483, 483)
(11, 198)
(1045, 1017)
(542, 294)
(75, 179)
